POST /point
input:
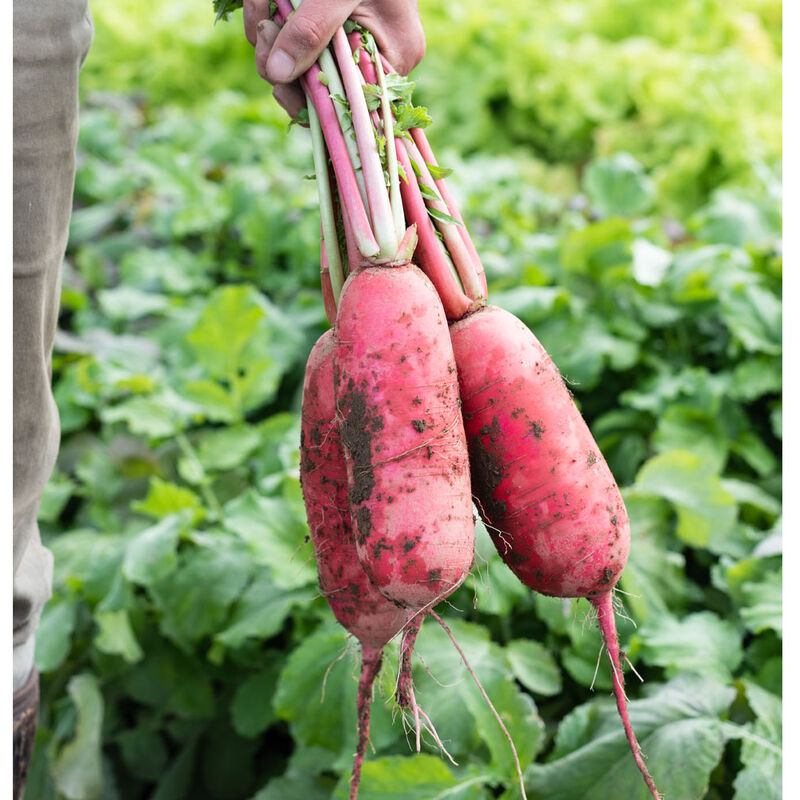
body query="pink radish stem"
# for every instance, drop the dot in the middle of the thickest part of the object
(605, 619)
(380, 208)
(452, 238)
(349, 192)
(333, 256)
(421, 140)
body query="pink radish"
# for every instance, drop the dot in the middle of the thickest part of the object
(550, 502)
(398, 409)
(355, 603)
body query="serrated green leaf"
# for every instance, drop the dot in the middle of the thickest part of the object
(706, 512)
(165, 498)
(761, 777)
(408, 116)
(763, 608)
(700, 642)
(678, 724)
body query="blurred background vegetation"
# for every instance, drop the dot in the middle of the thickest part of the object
(618, 163)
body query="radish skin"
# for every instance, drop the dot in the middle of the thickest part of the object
(355, 603)
(551, 504)
(398, 411)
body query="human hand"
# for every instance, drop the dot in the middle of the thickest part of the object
(283, 54)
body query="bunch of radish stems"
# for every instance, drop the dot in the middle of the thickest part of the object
(383, 199)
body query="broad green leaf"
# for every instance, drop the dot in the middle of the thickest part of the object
(172, 269)
(229, 320)
(195, 599)
(152, 554)
(116, 637)
(251, 707)
(761, 777)
(457, 708)
(746, 493)
(54, 633)
(145, 416)
(494, 588)
(732, 218)
(129, 303)
(55, 496)
(261, 610)
(226, 448)
(700, 642)
(753, 315)
(706, 512)
(316, 695)
(412, 778)
(77, 769)
(764, 605)
(164, 499)
(756, 377)
(86, 560)
(276, 533)
(678, 724)
(683, 427)
(655, 576)
(752, 450)
(619, 186)
(212, 400)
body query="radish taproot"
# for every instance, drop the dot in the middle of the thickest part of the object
(550, 502)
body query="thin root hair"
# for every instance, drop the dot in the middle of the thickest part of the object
(333, 663)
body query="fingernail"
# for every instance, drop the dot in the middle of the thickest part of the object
(261, 25)
(280, 67)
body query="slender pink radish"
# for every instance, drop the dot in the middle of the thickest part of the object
(550, 502)
(358, 606)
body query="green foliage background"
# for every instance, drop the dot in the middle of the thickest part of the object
(618, 164)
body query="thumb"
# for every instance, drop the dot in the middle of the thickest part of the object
(305, 35)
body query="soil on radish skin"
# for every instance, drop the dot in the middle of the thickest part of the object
(356, 434)
(487, 475)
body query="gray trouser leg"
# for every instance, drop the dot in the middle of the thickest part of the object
(51, 39)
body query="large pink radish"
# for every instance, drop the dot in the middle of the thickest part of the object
(358, 606)
(550, 502)
(400, 421)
